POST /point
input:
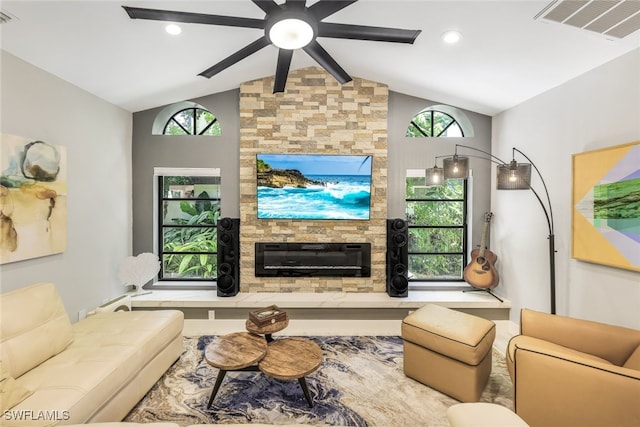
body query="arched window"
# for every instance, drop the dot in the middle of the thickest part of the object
(192, 121)
(434, 123)
(186, 118)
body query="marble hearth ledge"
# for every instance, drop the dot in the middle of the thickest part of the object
(416, 299)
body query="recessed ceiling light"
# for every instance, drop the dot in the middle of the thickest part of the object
(451, 37)
(173, 29)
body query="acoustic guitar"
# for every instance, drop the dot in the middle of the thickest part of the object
(481, 272)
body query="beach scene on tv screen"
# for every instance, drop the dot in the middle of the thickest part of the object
(313, 186)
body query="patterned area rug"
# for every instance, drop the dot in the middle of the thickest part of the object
(360, 383)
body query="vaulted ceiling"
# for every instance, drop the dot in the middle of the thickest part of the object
(510, 51)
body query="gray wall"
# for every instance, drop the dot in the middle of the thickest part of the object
(97, 136)
(151, 151)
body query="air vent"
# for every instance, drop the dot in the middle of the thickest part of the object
(612, 18)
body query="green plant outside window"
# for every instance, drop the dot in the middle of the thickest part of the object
(190, 209)
(437, 229)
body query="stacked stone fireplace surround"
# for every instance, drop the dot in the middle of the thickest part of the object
(316, 115)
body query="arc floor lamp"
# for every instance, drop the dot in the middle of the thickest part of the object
(510, 176)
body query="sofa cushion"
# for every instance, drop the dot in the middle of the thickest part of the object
(10, 393)
(633, 362)
(34, 326)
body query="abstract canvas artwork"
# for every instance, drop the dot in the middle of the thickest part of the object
(606, 206)
(33, 198)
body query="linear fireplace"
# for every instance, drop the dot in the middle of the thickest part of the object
(313, 259)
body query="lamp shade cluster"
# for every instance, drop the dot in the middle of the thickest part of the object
(510, 176)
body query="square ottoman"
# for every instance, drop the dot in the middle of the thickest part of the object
(448, 350)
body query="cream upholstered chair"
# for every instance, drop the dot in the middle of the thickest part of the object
(573, 372)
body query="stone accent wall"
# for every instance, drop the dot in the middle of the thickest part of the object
(315, 114)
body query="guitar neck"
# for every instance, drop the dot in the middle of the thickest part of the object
(485, 229)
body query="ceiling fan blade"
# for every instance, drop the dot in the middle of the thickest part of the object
(232, 59)
(322, 9)
(295, 4)
(363, 32)
(282, 69)
(192, 18)
(321, 56)
(268, 6)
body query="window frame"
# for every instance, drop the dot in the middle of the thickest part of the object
(195, 122)
(465, 227)
(432, 112)
(161, 282)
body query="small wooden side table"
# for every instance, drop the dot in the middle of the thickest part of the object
(290, 359)
(239, 351)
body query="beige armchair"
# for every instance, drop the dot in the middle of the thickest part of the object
(572, 372)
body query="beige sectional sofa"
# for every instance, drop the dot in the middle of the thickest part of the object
(94, 370)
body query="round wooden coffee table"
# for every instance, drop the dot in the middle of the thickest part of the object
(239, 351)
(290, 359)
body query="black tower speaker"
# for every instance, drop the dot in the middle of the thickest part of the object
(397, 257)
(228, 257)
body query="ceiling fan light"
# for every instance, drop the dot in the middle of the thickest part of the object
(291, 33)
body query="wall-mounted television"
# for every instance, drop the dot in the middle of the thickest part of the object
(314, 186)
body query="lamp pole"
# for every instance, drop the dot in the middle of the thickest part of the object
(552, 249)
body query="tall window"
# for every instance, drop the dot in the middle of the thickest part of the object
(188, 210)
(433, 123)
(192, 121)
(437, 229)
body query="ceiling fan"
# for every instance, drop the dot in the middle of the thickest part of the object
(289, 26)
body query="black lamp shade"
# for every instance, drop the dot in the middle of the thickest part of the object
(456, 167)
(514, 176)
